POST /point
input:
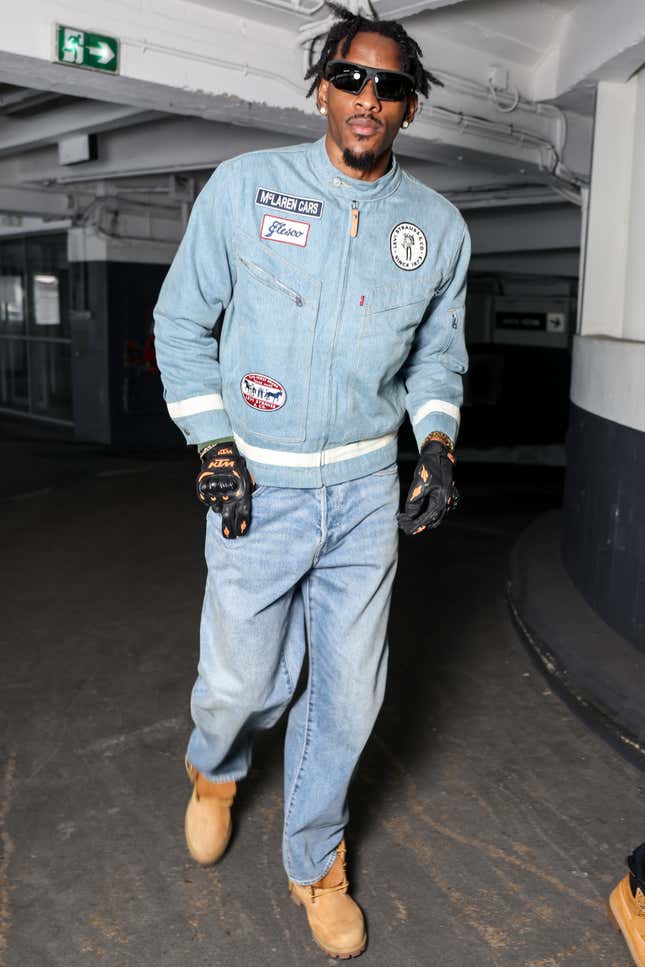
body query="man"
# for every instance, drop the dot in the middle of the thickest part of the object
(342, 283)
(627, 905)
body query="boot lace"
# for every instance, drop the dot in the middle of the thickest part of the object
(342, 887)
(640, 902)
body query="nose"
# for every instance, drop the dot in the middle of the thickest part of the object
(367, 99)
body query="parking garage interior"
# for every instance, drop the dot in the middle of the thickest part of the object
(502, 786)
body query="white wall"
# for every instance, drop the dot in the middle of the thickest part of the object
(609, 354)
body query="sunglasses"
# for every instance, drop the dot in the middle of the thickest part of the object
(352, 78)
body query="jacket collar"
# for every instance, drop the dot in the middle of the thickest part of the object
(344, 188)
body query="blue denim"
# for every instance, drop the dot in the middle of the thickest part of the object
(324, 345)
(321, 559)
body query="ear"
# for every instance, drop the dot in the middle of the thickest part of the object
(321, 93)
(413, 104)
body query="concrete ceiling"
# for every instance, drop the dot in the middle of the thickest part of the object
(229, 74)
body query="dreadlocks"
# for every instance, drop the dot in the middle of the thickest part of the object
(346, 29)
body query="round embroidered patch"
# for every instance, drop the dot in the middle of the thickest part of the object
(408, 246)
(262, 393)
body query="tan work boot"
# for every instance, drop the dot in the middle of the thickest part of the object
(627, 912)
(336, 921)
(208, 817)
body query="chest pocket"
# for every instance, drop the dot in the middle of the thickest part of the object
(400, 305)
(270, 332)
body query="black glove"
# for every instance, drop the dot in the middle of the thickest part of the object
(432, 492)
(225, 485)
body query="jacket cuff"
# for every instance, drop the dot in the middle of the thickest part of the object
(209, 425)
(446, 420)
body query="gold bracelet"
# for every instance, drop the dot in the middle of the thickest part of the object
(441, 437)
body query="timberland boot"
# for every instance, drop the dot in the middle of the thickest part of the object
(627, 906)
(208, 817)
(336, 921)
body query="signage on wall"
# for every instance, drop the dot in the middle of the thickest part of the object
(81, 48)
(555, 322)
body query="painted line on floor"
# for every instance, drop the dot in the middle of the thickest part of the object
(7, 850)
(30, 494)
(117, 743)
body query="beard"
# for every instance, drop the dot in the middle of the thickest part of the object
(361, 162)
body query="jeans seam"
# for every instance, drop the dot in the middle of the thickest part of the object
(305, 743)
(232, 777)
(328, 866)
(323, 532)
(285, 669)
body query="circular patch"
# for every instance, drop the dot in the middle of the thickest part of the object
(408, 246)
(262, 393)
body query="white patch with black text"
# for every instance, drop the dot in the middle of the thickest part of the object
(408, 246)
(285, 230)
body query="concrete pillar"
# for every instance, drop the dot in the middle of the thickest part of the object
(603, 539)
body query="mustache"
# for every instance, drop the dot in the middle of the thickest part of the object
(365, 117)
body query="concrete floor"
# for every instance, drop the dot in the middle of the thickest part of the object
(488, 823)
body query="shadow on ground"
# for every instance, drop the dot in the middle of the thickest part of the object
(488, 824)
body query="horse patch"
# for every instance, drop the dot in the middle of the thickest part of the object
(262, 393)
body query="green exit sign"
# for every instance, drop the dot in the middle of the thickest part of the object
(80, 48)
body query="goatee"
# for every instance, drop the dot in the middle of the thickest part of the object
(361, 162)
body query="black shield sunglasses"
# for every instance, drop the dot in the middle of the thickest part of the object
(352, 78)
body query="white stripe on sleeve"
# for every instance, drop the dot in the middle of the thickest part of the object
(436, 406)
(196, 404)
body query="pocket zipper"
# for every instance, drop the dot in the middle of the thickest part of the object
(267, 279)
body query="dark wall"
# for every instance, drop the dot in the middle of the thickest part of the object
(137, 410)
(89, 356)
(118, 396)
(603, 536)
(515, 395)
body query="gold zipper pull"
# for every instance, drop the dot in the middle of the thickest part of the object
(354, 229)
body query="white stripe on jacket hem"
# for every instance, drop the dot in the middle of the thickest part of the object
(194, 405)
(436, 406)
(287, 458)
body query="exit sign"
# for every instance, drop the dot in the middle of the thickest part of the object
(80, 48)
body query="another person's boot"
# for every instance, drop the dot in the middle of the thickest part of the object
(208, 823)
(336, 921)
(627, 906)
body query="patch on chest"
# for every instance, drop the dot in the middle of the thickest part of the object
(262, 392)
(408, 246)
(289, 204)
(285, 230)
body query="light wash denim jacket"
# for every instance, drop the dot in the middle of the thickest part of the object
(343, 306)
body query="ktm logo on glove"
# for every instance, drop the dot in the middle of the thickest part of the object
(221, 463)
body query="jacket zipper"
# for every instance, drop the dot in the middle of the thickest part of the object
(353, 232)
(354, 227)
(267, 279)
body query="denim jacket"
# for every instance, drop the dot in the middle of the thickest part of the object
(340, 306)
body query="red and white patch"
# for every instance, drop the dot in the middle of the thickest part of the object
(286, 230)
(262, 393)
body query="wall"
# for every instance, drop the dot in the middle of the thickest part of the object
(603, 538)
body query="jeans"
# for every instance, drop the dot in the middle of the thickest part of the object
(321, 559)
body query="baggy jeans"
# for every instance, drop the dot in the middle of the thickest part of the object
(321, 559)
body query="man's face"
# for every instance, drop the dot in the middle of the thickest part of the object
(360, 126)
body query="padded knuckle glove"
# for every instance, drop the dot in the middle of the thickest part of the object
(432, 492)
(225, 485)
